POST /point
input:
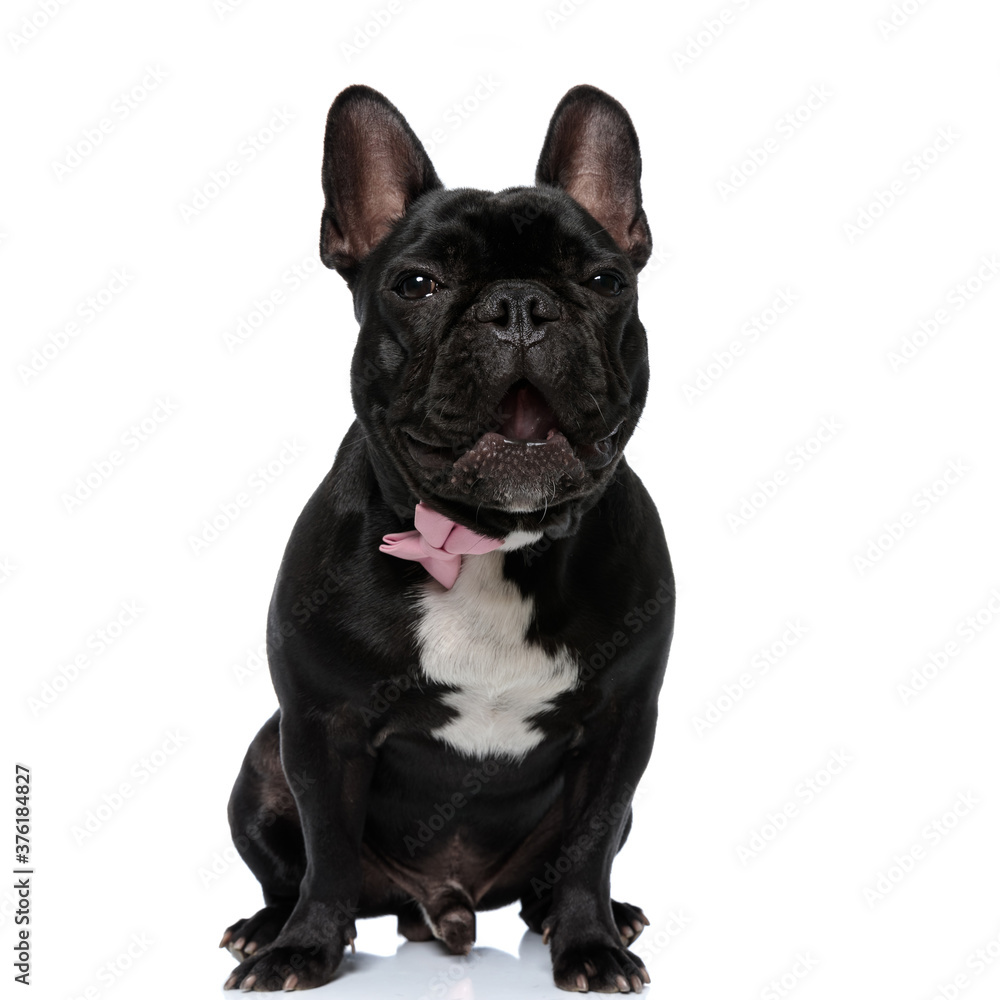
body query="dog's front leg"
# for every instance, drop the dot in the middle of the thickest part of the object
(587, 949)
(328, 766)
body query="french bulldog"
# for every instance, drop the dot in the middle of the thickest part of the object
(471, 621)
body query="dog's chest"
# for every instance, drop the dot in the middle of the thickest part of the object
(473, 637)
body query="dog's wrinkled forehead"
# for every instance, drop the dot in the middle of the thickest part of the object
(521, 233)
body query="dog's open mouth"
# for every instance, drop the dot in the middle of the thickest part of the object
(525, 441)
(525, 417)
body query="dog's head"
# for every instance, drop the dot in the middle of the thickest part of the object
(501, 365)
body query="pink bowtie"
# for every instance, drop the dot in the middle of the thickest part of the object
(438, 544)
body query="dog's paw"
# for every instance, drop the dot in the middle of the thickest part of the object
(286, 967)
(251, 934)
(629, 919)
(599, 967)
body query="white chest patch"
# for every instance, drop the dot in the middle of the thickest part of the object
(473, 637)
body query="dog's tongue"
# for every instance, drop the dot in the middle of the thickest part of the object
(525, 414)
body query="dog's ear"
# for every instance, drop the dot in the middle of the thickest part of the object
(592, 153)
(373, 169)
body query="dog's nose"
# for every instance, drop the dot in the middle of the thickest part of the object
(517, 311)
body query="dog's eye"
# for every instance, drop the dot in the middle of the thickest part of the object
(417, 286)
(606, 284)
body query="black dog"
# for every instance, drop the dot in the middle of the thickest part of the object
(466, 711)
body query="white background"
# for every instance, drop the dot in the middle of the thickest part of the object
(156, 874)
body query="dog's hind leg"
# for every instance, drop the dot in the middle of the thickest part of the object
(264, 822)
